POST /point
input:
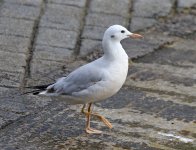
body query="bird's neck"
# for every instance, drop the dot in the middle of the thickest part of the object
(113, 50)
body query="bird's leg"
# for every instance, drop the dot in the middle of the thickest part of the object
(103, 119)
(83, 109)
(88, 128)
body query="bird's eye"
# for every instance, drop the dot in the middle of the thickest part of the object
(123, 31)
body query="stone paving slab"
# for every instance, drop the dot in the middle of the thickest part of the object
(41, 67)
(140, 23)
(62, 16)
(110, 7)
(104, 20)
(50, 137)
(42, 40)
(26, 2)
(14, 43)
(89, 46)
(10, 64)
(17, 27)
(19, 11)
(162, 81)
(152, 8)
(52, 53)
(186, 4)
(11, 78)
(56, 38)
(15, 106)
(182, 26)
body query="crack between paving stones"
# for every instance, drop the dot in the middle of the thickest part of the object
(175, 6)
(52, 46)
(32, 45)
(59, 3)
(15, 35)
(57, 28)
(19, 18)
(159, 19)
(171, 14)
(131, 3)
(79, 41)
(112, 14)
(18, 3)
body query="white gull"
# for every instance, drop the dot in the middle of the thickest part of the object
(97, 80)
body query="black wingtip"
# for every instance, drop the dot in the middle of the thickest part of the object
(36, 93)
(41, 87)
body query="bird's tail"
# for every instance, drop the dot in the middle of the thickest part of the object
(39, 89)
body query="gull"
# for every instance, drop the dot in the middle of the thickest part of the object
(95, 81)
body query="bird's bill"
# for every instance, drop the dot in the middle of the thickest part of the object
(135, 36)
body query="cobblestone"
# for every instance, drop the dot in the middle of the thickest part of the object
(152, 8)
(42, 40)
(57, 38)
(26, 2)
(62, 16)
(89, 46)
(19, 11)
(52, 53)
(10, 64)
(110, 7)
(9, 78)
(14, 43)
(140, 23)
(17, 27)
(186, 4)
(104, 20)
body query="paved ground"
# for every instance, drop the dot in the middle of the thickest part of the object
(41, 40)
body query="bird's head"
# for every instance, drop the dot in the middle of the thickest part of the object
(118, 33)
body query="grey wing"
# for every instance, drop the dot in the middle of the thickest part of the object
(78, 80)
